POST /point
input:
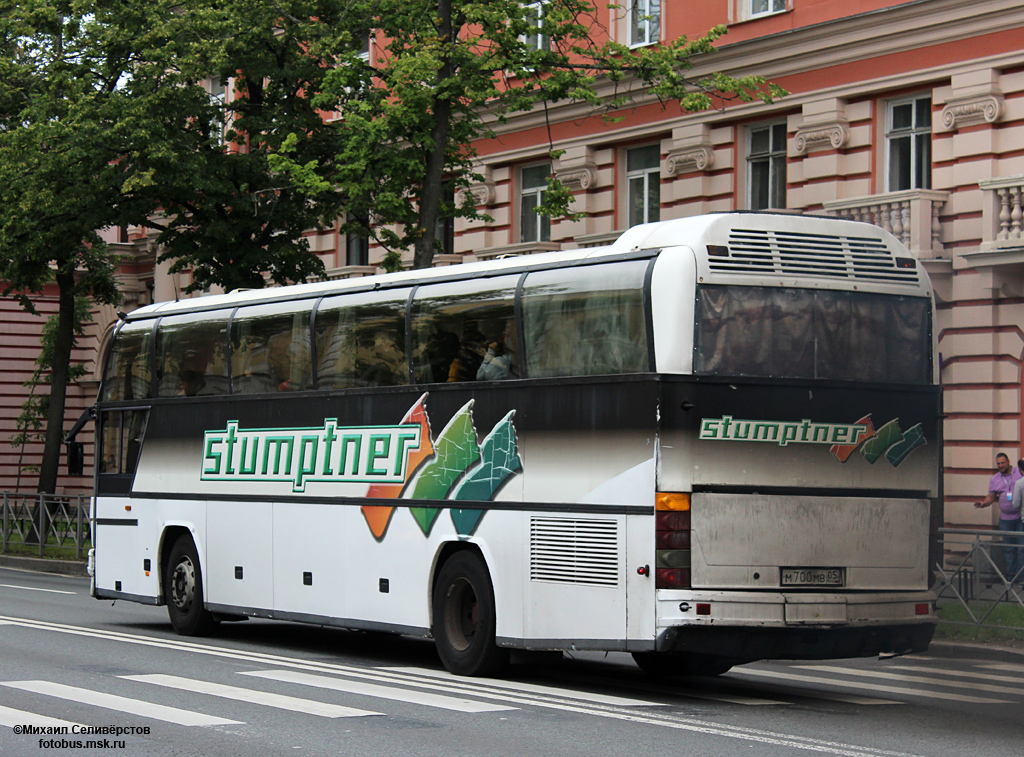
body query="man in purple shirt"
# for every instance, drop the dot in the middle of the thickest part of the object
(1000, 489)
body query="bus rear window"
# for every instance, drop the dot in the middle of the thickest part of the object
(813, 334)
(586, 321)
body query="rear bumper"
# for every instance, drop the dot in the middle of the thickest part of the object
(775, 625)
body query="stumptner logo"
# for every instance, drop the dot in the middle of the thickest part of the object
(782, 433)
(889, 440)
(332, 453)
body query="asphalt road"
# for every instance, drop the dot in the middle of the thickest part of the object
(266, 688)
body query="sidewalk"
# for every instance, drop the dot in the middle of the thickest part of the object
(45, 565)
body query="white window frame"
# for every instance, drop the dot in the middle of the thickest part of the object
(773, 7)
(536, 41)
(537, 193)
(219, 96)
(646, 175)
(774, 153)
(647, 16)
(914, 131)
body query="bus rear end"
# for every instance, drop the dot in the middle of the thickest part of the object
(800, 441)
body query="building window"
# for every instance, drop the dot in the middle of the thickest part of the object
(534, 14)
(534, 227)
(765, 7)
(643, 184)
(766, 166)
(644, 22)
(218, 97)
(908, 139)
(357, 247)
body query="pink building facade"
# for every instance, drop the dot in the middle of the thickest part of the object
(907, 115)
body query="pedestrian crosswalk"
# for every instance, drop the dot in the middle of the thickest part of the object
(319, 692)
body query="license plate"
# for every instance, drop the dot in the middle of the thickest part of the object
(813, 577)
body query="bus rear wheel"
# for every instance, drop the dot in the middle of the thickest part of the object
(678, 664)
(464, 622)
(183, 591)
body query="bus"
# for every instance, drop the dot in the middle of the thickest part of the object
(714, 441)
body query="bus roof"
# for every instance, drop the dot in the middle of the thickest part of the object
(696, 232)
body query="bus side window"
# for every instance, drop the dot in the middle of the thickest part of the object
(463, 332)
(192, 355)
(270, 349)
(586, 321)
(127, 374)
(121, 440)
(360, 340)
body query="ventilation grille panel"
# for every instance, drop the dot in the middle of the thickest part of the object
(787, 253)
(574, 551)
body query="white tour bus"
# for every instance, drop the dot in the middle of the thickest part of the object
(715, 441)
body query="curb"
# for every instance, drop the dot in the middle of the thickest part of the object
(45, 565)
(992, 648)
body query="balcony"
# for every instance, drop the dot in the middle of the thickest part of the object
(912, 216)
(1003, 214)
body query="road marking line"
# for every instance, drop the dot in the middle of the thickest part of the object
(33, 588)
(974, 686)
(1010, 667)
(531, 688)
(871, 686)
(122, 704)
(10, 717)
(973, 674)
(692, 725)
(382, 692)
(308, 706)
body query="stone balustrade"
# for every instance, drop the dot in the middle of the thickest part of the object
(912, 216)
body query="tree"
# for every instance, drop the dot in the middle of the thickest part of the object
(84, 91)
(443, 73)
(237, 201)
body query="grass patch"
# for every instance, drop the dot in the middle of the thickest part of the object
(1004, 623)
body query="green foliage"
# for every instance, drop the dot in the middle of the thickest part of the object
(444, 74)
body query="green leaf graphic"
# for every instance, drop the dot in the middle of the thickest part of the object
(455, 451)
(499, 461)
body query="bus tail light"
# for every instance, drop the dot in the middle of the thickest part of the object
(672, 540)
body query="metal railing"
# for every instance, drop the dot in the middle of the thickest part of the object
(973, 573)
(46, 523)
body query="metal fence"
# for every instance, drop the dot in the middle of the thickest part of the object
(46, 524)
(973, 574)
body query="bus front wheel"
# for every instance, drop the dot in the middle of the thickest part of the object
(464, 622)
(183, 591)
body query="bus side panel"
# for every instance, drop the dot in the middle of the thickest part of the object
(127, 534)
(239, 559)
(310, 556)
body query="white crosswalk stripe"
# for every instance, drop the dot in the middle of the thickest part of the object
(972, 674)
(10, 717)
(382, 692)
(121, 704)
(280, 701)
(530, 688)
(972, 685)
(875, 687)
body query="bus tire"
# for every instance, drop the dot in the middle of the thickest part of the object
(464, 622)
(183, 591)
(677, 664)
